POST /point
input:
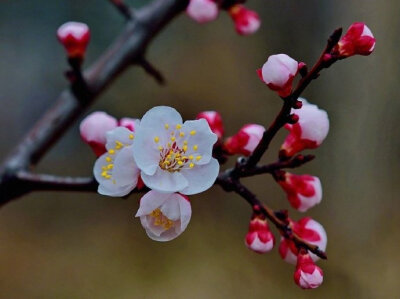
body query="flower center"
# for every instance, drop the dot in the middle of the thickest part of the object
(161, 220)
(177, 153)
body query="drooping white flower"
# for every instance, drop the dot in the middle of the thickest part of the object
(116, 170)
(164, 216)
(174, 156)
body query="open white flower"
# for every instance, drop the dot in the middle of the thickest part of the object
(175, 156)
(164, 216)
(116, 170)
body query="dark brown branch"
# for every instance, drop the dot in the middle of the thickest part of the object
(128, 47)
(124, 9)
(289, 102)
(276, 218)
(151, 70)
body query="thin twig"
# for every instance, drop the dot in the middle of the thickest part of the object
(124, 9)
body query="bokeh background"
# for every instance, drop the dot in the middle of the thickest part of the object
(71, 245)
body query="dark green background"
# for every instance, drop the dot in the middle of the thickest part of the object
(70, 245)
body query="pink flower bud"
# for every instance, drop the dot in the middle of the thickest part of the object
(214, 120)
(307, 274)
(357, 40)
(93, 130)
(202, 11)
(303, 191)
(278, 73)
(310, 231)
(309, 132)
(246, 21)
(129, 123)
(246, 140)
(74, 36)
(259, 238)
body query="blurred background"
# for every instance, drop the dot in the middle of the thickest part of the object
(72, 245)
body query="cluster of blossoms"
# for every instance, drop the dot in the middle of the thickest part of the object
(174, 159)
(171, 157)
(203, 11)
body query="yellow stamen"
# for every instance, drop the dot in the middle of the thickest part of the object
(181, 134)
(191, 165)
(190, 157)
(198, 158)
(131, 136)
(185, 142)
(110, 166)
(184, 148)
(178, 126)
(193, 132)
(195, 147)
(156, 139)
(108, 159)
(111, 152)
(160, 148)
(166, 126)
(173, 138)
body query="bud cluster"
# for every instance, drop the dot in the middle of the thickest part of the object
(246, 21)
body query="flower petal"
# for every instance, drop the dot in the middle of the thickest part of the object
(164, 181)
(119, 135)
(201, 177)
(203, 138)
(151, 201)
(160, 116)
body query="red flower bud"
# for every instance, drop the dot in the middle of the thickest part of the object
(303, 191)
(74, 37)
(307, 274)
(93, 130)
(246, 140)
(278, 73)
(246, 21)
(357, 40)
(310, 231)
(214, 120)
(259, 238)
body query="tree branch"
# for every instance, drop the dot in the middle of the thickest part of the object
(128, 47)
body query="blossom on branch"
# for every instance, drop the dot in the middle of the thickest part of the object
(246, 140)
(246, 21)
(310, 231)
(174, 156)
(74, 36)
(358, 40)
(202, 11)
(164, 216)
(214, 120)
(116, 170)
(278, 73)
(303, 191)
(129, 123)
(307, 274)
(93, 130)
(308, 133)
(259, 237)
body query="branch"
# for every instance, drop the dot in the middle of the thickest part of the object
(128, 47)
(279, 219)
(124, 9)
(290, 102)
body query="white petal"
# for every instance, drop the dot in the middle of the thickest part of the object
(159, 116)
(203, 138)
(170, 208)
(164, 181)
(119, 134)
(201, 177)
(125, 170)
(151, 201)
(113, 186)
(185, 210)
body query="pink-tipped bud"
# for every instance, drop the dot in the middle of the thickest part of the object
(303, 191)
(309, 132)
(214, 120)
(278, 73)
(246, 140)
(74, 36)
(202, 11)
(310, 231)
(129, 123)
(358, 40)
(246, 21)
(259, 237)
(93, 130)
(307, 274)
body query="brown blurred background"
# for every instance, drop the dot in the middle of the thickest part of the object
(70, 245)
